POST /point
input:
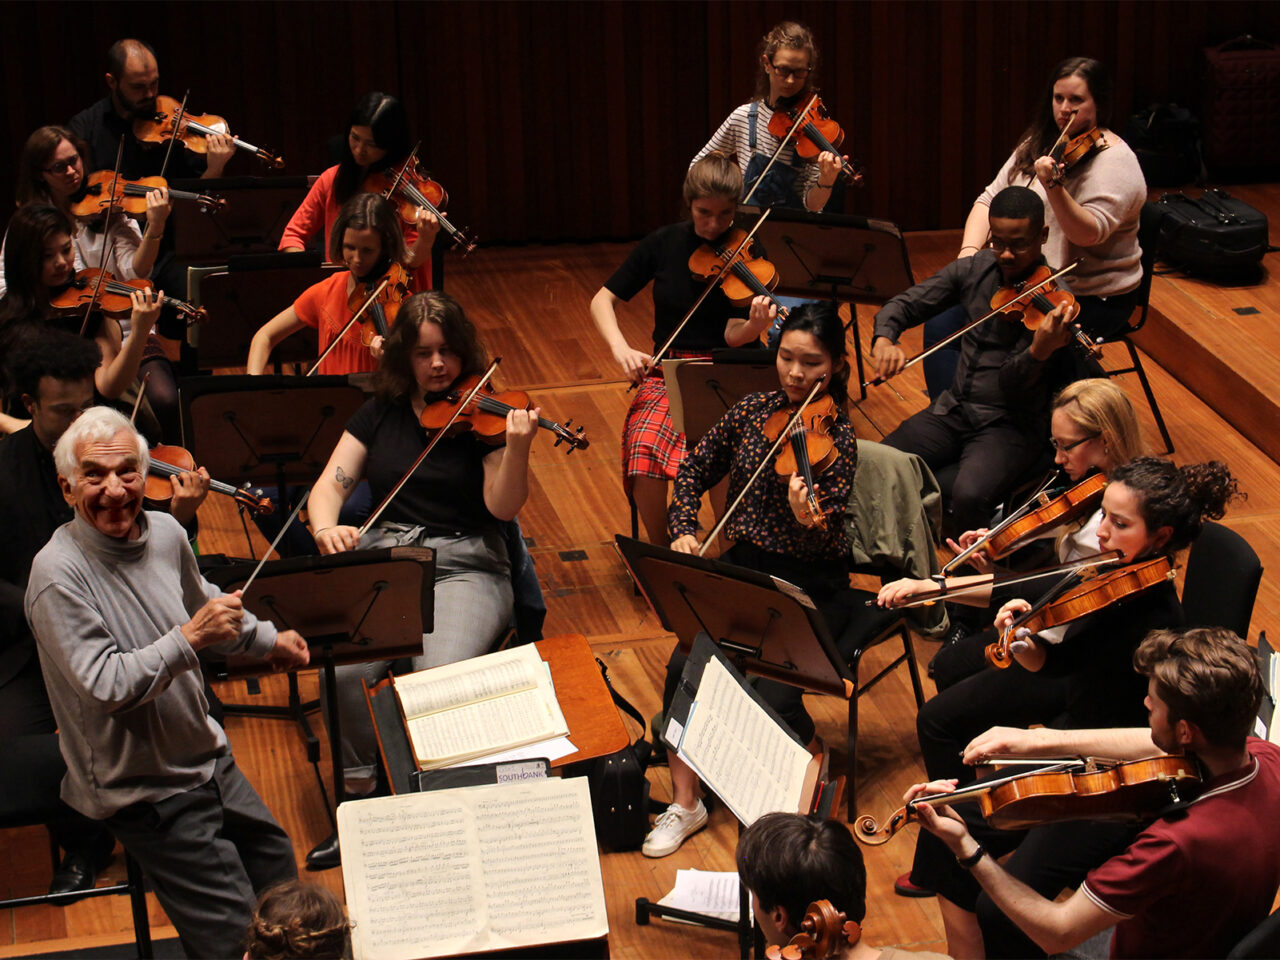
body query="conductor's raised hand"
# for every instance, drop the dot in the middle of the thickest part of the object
(218, 621)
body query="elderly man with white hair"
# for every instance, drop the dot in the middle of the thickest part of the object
(119, 611)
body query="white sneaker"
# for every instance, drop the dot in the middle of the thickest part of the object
(671, 829)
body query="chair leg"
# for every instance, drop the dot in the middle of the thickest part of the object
(851, 775)
(138, 907)
(1151, 397)
(912, 670)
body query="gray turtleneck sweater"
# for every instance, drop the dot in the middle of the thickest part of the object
(125, 684)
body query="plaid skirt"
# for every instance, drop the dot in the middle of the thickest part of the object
(651, 447)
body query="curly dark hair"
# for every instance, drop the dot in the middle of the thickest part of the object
(394, 380)
(1180, 498)
(54, 353)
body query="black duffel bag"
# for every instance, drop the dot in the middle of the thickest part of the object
(1214, 236)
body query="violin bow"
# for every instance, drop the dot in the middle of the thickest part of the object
(466, 401)
(106, 239)
(711, 285)
(782, 144)
(1062, 137)
(1004, 524)
(137, 401)
(969, 326)
(783, 437)
(177, 124)
(368, 301)
(403, 171)
(1070, 567)
(274, 543)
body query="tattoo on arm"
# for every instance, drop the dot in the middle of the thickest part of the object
(344, 480)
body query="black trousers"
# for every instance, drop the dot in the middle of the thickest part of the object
(991, 460)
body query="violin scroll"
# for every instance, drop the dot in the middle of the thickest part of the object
(867, 830)
(824, 932)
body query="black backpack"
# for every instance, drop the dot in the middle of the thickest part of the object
(1214, 236)
(619, 788)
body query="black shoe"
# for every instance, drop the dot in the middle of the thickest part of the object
(325, 855)
(76, 873)
(953, 636)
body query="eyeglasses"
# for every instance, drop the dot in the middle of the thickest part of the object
(1017, 248)
(1065, 447)
(62, 166)
(801, 73)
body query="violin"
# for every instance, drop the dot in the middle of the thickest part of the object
(486, 415)
(745, 276)
(381, 301)
(112, 296)
(170, 122)
(824, 932)
(131, 195)
(1033, 298)
(810, 449)
(1004, 539)
(1080, 601)
(1076, 789)
(413, 190)
(167, 461)
(1068, 153)
(815, 132)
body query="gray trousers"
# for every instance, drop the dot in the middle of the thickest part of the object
(473, 607)
(208, 853)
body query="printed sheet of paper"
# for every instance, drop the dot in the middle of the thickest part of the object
(471, 869)
(740, 751)
(469, 681)
(709, 892)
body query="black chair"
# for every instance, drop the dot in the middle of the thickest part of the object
(1223, 573)
(1262, 942)
(1148, 239)
(868, 627)
(36, 759)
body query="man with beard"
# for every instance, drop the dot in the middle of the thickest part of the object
(134, 81)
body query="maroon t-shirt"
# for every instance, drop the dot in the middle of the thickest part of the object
(1193, 885)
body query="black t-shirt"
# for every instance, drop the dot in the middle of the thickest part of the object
(663, 257)
(101, 127)
(446, 492)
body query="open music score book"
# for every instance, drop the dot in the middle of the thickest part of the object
(478, 707)
(471, 869)
(739, 746)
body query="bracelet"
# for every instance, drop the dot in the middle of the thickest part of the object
(826, 186)
(316, 533)
(970, 246)
(968, 863)
(150, 236)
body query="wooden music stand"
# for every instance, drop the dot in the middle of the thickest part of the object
(830, 256)
(351, 607)
(257, 211)
(700, 391)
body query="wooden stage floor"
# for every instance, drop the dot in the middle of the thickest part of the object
(531, 306)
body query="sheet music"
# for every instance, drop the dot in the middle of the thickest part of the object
(463, 870)
(710, 893)
(479, 729)
(740, 751)
(469, 681)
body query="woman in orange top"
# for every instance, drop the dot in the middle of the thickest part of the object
(366, 237)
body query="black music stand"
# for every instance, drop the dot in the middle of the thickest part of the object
(831, 256)
(265, 430)
(707, 388)
(253, 220)
(352, 607)
(765, 626)
(246, 294)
